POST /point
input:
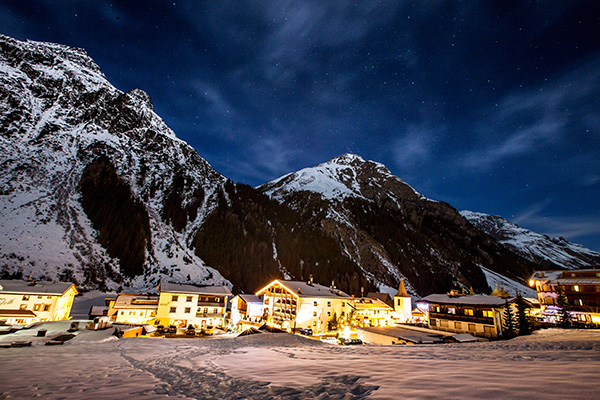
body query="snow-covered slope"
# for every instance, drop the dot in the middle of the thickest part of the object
(546, 251)
(389, 229)
(348, 175)
(58, 113)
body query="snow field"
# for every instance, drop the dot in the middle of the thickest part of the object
(552, 364)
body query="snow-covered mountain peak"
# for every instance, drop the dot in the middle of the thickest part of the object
(348, 175)
(546, 251)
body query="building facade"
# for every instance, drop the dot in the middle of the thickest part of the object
(372, 312)
(291, 305)
(403, 303)
(182, 305)
(133, 308)
(247, 310)
(581, 289)
(24, 302)
(478, 315)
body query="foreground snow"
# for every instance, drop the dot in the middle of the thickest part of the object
(552, 364)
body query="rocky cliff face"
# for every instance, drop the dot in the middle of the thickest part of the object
(388, 229)
(547, 252)
(92, 180)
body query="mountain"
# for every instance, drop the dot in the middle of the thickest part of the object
(547, 252)
(94, 186)
(388, 229)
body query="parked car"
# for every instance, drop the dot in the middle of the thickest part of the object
(208, 330)
(306, 331)
(172, 329)
(191, 330)
(347, 342)
(160, 330)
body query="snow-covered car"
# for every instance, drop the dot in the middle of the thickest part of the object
(347, 342)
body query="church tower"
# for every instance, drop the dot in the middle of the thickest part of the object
(402, 303)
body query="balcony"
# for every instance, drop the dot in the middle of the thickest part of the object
(211, 304)
(209, 315)
(462, 318)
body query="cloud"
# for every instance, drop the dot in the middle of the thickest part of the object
(530, 120)
(570, 227)
(415, 146)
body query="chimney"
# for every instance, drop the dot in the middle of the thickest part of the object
(310, 279)
(362, 291)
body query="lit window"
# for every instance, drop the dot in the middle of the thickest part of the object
(23, 307)
(174, 298)
(314, 313)
(451, 310)
(488, 314)
(468, 311)
(576, 288)
(25, 298)
(36, 307)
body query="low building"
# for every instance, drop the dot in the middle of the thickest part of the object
(133, 308)
(247, 310)
(182, 305)
(478, 315)
(297, 304)
(372, 312)
(581, 289)
(23, 302)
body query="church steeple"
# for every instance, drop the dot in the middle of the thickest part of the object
(401, 289)
(402, 303)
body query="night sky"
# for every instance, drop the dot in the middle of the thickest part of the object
(492, 106)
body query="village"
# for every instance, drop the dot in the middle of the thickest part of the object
(182, 310)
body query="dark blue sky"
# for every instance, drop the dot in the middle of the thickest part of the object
(491, 106)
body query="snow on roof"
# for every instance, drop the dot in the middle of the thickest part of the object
(371, 304)
(137, 301)
(464, 337)
(475, 300)
(191, 289)
(44, 288)
(305, 289)
(251, 298)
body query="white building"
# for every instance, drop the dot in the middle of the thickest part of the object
(246, 309)
(299, 304)
(24, 302)
(182, 305)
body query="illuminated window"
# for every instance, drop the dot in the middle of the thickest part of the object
(23, 307)
(576, 288)
(36, 307)
(25, 298)
(488, 313)
(215, 310)
(314, 313)
(451, 310)
(579, 302)
(468, 311)
(174, 298)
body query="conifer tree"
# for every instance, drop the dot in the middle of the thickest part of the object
(508, 321)
(565, 315)
(522, 317)
(332, 324)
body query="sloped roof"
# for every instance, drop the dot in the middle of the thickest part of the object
(191, 289)
(40, 288)
(401, 289)
(137, 301)
(371, 304)
(385, 297)
(306, 289)
(251, 298)
(476, 300)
